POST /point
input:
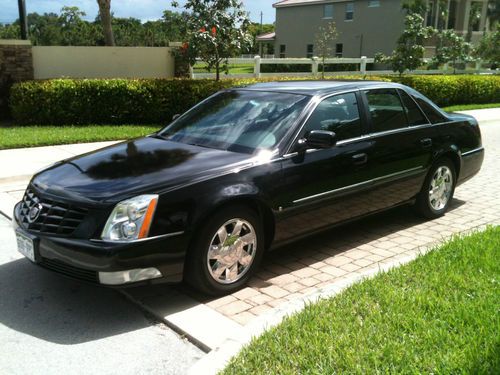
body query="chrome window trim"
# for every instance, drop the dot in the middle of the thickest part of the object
(367, 182)
(418, 106)
(366, 137)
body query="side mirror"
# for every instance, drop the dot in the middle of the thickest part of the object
(176, 116)
(319, 139)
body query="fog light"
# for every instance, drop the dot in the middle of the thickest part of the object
(129, 276)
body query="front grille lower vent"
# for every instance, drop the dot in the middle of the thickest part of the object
(70, 271)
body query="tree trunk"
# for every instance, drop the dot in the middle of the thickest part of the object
(105, 14)
(323, 68)
(217, 70)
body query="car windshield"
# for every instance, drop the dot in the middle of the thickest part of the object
(238, 120)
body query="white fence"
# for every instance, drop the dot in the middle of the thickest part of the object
(314, 62)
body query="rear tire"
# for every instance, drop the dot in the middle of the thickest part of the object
(437, 191)
(228, 249)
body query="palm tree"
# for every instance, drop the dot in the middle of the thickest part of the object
(105, 15)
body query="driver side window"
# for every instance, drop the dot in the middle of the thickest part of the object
(339, 114)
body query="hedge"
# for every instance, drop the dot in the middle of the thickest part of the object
(147, 101)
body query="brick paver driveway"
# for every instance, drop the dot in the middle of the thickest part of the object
(312, 263)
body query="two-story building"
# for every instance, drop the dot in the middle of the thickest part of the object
(365, 26)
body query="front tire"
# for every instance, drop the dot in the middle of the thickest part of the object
(227, 251)
(437, 191)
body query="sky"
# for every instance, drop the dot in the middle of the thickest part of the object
(142, 9)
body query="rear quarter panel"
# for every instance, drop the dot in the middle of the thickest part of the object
(462, 136)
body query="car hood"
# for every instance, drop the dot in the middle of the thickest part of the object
(138, 166)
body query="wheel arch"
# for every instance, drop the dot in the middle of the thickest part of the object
(252, 202)
(452, 153)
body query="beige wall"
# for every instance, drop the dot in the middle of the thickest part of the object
(102, 62)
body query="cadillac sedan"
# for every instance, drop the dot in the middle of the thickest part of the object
(244, 171)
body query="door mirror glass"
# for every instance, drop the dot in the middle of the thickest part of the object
(319, 139)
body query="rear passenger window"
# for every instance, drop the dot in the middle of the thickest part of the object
(386, 110)
(338, 114)
(432, 114)
(413, 113)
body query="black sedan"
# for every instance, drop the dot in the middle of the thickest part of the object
(246, 170)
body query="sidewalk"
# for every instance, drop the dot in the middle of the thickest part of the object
(18, 165)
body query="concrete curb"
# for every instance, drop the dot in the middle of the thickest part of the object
(218, 358)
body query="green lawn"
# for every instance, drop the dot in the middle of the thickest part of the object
(439, 314)
(233, 68)
(31, 136)
(467, 107)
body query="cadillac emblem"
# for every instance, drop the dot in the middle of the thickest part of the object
(34, 212)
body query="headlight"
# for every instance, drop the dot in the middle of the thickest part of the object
(130, 219)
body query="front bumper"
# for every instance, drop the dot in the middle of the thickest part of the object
(86, 259)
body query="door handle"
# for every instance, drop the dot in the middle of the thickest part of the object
(426, 142)
(359, 159)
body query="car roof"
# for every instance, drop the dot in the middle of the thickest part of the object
(317, 87)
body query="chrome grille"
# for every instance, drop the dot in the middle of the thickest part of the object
(54, 217)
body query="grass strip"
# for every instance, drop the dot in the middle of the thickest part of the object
(468, 107)
(438, 314)
(32, 136)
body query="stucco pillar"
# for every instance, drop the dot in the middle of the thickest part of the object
(484, 10)
(465, 25)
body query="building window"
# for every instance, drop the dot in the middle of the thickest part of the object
(282, 51)
(339, 48)
(349, 11)
(373, 3)
(430, 14)
(328, 11)
(310, 49)
(475, 15)
(452, 14)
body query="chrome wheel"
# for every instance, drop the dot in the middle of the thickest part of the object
(232, 251)
(440, 188)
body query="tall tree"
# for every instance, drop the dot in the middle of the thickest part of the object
(415, 7)
(217, 30)
(409, 52)
(255, 29)
(105, 15)
(452, 47)
(323, 41)
(489, 49)
(474, 19)
(493, 13)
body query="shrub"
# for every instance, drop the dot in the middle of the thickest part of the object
(147, 101)
(455, 89)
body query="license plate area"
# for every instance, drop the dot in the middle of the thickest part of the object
(27, 245)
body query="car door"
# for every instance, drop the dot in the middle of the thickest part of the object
(321, 186)
(402, 146)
